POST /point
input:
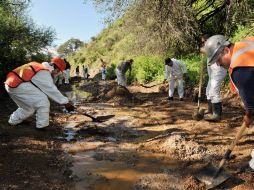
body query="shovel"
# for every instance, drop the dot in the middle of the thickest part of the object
(98, 118)
(213, 176)
(151, 85)
(94, 119)
(199, 114)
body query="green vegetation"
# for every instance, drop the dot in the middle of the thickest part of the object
(147, 69)
(70, 46)
(20, 39)
(147, 31)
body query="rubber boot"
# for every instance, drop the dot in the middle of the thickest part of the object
(170, 98)
(209, 107)
(216, 116)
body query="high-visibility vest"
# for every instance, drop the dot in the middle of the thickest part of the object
(23, 73)
(242, 56)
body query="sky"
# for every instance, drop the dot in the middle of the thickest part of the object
(69, 18)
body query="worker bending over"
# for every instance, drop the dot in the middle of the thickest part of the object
(30, 85)
(174, 73)
(121, 69)
(238, 58)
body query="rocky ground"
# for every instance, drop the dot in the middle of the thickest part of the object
(149, 144)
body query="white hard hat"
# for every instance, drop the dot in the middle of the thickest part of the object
(214, 46)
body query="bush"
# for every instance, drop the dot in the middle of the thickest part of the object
(111, 75)
(193, 64)
(146, 69)
(151, 68)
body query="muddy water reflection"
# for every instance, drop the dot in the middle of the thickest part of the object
(115, 175)
(70, 132)
(108, 162)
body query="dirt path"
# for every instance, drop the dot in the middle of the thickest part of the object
(150, 144)
(30, 159)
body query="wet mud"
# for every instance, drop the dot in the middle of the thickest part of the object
(149, 144)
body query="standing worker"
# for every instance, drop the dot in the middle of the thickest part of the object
(67, 72)
(77, 71)
(216, 76)
(175, 72)
(103, 69)
(238, 58)
(85, 72)
(30, 85)
(121, 69)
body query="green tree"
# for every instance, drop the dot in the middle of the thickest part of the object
(70, 46)
(174, 27)
(20, 38)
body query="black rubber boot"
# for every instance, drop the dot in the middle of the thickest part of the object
(170, 98)
(216, 116)
(209, 107)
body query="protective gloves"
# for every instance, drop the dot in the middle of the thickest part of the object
(69, 107)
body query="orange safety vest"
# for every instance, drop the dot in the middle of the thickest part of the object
(23, 73)
(242, 56)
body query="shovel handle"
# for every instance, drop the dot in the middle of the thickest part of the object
(231, 147)
(201, 78)
(238, 136)
(93, 118)
(86, 114)
(201, 75)
(199, 98)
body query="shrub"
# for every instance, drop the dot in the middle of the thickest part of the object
(146, 69)
(111, 72)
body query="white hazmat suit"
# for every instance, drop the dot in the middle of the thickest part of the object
(121, 69)
(103, 73)
(216, 76)
(85, 72)
(58, 79)
(34, 99)
(66, 73)
(174, 75)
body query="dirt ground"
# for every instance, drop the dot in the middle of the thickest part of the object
(149, 144)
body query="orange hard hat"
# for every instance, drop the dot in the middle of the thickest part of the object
(60, 63)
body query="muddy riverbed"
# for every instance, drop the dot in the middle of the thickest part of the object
(149, 144)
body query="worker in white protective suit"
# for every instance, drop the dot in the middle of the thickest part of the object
(30, 85)
(66, 72)
(85, 72)
(121, 69)
(175, 72)
(216, 76)
(103, 69)
(58, 79)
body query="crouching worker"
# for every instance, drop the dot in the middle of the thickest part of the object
(30, 85)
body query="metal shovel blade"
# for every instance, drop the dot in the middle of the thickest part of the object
(198, 114)
(99, 118)
(104, 117)
(206, 175)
